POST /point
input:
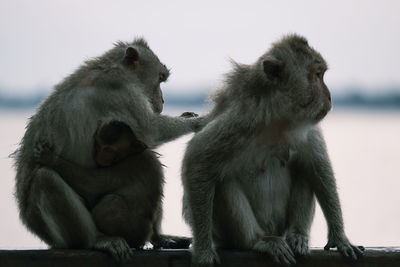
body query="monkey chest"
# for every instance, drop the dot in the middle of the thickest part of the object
(267, 184)
(269, 181)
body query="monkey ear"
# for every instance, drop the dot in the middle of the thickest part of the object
(273, 68)
(131, 56)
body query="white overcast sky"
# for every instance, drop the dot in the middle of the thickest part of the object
(43, 41)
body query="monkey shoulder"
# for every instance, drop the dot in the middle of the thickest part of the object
(307, 144)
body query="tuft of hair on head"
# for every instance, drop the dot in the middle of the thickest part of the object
(293, 41)
(140, 41)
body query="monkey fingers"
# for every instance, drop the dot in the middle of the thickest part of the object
(116, 246)
(171, 242)
(346, 249)
(188, 114)
(42, 153)
(277, 249)
(350, 251)
(299, 244)
(37, 151)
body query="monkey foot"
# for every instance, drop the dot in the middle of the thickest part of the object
(171, 242)
(116, 246)
(277, 249)
(299, 244)
(205, 258)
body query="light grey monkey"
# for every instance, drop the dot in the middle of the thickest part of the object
(251, 174)
(121, 85)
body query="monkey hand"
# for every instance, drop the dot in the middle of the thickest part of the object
(344, 246)
(116, 246)
(205, 258)
(171, 242)
(43, 154)
(188, 115)
(196, 121)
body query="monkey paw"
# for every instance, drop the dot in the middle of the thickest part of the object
(116, 246)
(189, 115)
(42, 153)
(344, 247)
(171, 242)
(277, 248)
(298, 243)
(205, 258)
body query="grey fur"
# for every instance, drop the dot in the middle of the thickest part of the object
(250, 175)
(114, 86)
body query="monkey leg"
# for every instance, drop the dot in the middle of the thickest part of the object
(113, 216)
(300, 215)
(234, 223)
(236, 226)
(57, 214)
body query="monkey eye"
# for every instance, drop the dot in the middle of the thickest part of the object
(319, 70)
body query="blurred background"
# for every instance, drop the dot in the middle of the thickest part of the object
(41, 42)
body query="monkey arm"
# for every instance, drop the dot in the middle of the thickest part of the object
(324, 185)
(200, 201)
(169, 128)
(200, 175)
(91, 182)
(166, 128)
(323, 181)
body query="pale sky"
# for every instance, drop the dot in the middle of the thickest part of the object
(43, 41)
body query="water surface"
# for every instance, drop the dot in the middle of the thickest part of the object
(365, 152)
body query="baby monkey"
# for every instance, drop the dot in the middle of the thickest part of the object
(132, 205)
(115, 142)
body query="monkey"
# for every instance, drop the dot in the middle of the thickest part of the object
(123, 84)
(115, 142)
(252, 174)
(116, 150)
(129, 202)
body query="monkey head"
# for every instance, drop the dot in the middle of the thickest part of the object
(114, 142)
(294, 73)
(145, 67)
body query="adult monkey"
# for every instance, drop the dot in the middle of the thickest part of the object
(251, 174)
(123, 84)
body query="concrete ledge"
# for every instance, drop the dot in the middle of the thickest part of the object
(373, 257)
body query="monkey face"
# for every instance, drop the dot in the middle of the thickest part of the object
(157, 98)
(146, 67)
(315, 100)
(114, 142)
(297, 72)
